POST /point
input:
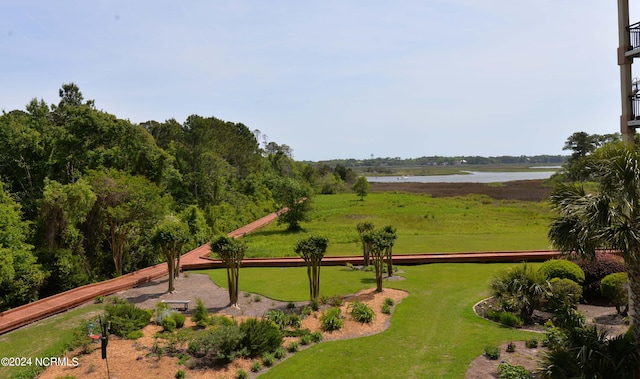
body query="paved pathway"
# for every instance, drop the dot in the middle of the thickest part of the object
(198, 259)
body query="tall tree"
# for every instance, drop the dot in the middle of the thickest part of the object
(170, 236)
(379, 241)
(312, 250)
(20, 275)
(293, 195)
(126, 209)
(606, 219)
(230, 251)
(362, 228)
(361, 187)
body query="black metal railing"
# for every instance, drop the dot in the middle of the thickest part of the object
(635, 108)
(634, 35)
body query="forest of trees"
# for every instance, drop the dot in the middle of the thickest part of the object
(82, 190)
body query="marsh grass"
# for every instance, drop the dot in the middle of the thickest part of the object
(424, 224)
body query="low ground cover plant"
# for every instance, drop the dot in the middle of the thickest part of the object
(331, 319)
(361, 312)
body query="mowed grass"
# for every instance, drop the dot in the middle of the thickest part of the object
(424, 224)
(434, 332)
(46, 338)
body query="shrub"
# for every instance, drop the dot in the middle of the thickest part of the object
(389, 301)
(492, 352)
(180, 375)
(509, 371)
(361, 312)
(531, 344)
(596, 269)
(277, 317)
(241, 374)
(331, 319)
(386, 309)
(279, 353)
(334, 301)
(305, 340)
(168, 324)
(587, 352)
(614, 288)
(200, 314)
(134, 335)
(179, 319)
(126, 317)
(509, 319)
(259, 336)
(292, 347)
(562, 269)
(316, 337)
(565, 293)
(256, 366)
(511, 347)
(268, 359)
(224, 342)
(520, 290)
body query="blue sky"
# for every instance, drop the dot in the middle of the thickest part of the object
(332, 79)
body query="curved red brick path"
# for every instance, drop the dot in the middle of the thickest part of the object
(198, 259)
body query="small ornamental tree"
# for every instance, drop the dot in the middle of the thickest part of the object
(378, 242)
(391, 233)
(230, 251)
(614, 287)
(361, 187)
(170, 236)
(312, 250)
(364, 227)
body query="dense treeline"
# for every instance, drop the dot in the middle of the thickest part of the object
(439, 161)
(81, 190)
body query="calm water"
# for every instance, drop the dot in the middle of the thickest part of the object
(471, 177)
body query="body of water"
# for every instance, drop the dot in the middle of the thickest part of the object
(471, 177)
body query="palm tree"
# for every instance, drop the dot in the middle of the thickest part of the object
(607, 219)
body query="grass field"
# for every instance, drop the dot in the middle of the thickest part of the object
(424, 224)
(434, 332)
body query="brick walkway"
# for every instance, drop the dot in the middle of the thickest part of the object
(197, 259)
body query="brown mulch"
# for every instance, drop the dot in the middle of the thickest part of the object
(135, 359)
(526, 190)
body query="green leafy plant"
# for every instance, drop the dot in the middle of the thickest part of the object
(492, 352)
(316, 337)
(386, 309)
(241, 374)
(200, 314)
(509, 319)
(293, 346)
(259, 336)
(256, 366)
(126, 317)
(305, 340)
(279, 353)
(180, 375)
(532, 343)
(511, 347)
(614, 288)
(509, 371)
(168, 324)
(361, 312)
(562, 269)
(179, 319)
(331, 319)
(268, 359)
(389, 301)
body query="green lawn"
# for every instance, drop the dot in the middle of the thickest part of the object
(46, 338)
(424, 224)
(434, 332)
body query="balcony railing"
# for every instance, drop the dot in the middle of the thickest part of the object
(635, 109)
(634, 35)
